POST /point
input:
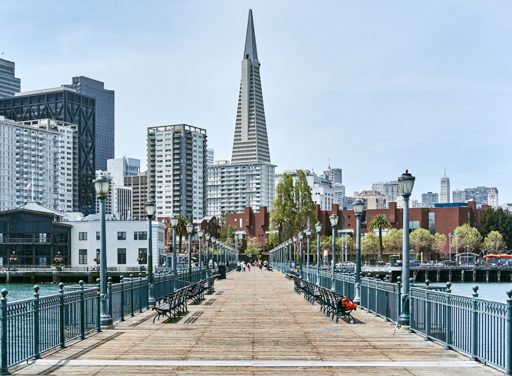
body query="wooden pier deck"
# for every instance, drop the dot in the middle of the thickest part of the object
(255, 324)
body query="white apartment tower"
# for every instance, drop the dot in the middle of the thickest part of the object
(177, 170)
(444, 197)
(248, 181)
(38, 163)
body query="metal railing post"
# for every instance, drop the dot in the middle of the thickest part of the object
(508, 336)
(140, 294)
(121, 280)
(474, 324)
(61, 316)
(408, 301)
(109, 292)
(3, 319)
(448, 318)
(131, 295)
(427, 312)
(37, 350)
(398, 297)
(98, 306)
(82, 310)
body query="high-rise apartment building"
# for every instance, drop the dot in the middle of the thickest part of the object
(177, 170)
(9, 84)
(492, 197)
(210, 156)
(480, 194)
(459, 195)
(121, 167)
(139, 186)
(65, 105)
(388, 188)
(429, 199)
(444, 197)
(38, 164)
(248, 181)
(105, 120)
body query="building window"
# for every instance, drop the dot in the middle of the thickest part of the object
(121, 256)
(82, 236)
(140, 235)
(82, 256)
(432, 222)
(121, 235)
(98, 235)
(143, 256)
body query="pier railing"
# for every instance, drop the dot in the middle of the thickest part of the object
(32, 326)
(479, 328)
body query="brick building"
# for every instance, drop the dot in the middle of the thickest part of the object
(253, 223)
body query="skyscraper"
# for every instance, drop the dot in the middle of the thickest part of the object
(104, 116)
(248, 181)
(9, 84)
(177, 170)
(250, 143)
(444, 197)
(66, 105)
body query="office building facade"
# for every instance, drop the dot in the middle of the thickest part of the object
(38, 163)
(66, 105)
(444, 197)
(429, 199)
(388, 188)
(177, 170)
(121, 167)
(9, 84)
(139, 185)
(105, 117)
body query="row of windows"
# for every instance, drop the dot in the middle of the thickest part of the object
(142, 257)
(121, 235)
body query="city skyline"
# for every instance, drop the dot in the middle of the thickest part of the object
(441, 88)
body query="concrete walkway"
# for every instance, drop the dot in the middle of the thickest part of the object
(255, 324)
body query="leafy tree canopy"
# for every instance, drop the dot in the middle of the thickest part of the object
(469, 238)
(497, 220)
(494, 242)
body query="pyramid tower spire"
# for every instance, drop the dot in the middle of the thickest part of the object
(250, 143)
(250, 52)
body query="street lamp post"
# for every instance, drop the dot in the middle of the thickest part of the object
(174, 223)
(456, 245)
(405, 184)
(150, 212)
(450, 246)
(213, 252)
(358, 207)
(294, 243)
(200, 240)
(207, 254)
(190, 229)
(334, 222)
(308, 236)
(301, 236)
(318, 228)
(102, 187)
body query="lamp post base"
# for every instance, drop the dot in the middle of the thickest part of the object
(106, 322)
(357, 294)
(403, 319)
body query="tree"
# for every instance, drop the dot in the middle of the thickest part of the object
(439, 245)
(494, 242)
(304, 205)
(469, 238)
(181, 229)
(252, 249)
(422, 241)
(497, 220)
(379, 223)
(227, 235)
(393, 240)
(283, 208)
(370, 243)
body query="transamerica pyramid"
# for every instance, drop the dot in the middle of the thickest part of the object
(250, 144)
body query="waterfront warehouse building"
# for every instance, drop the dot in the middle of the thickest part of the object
(32, 236)
(38, 163)
(177, 170)
(63, 104)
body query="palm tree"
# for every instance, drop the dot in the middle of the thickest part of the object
(380, 223)
(181, 229)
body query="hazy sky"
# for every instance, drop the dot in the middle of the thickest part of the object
(373, 86)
